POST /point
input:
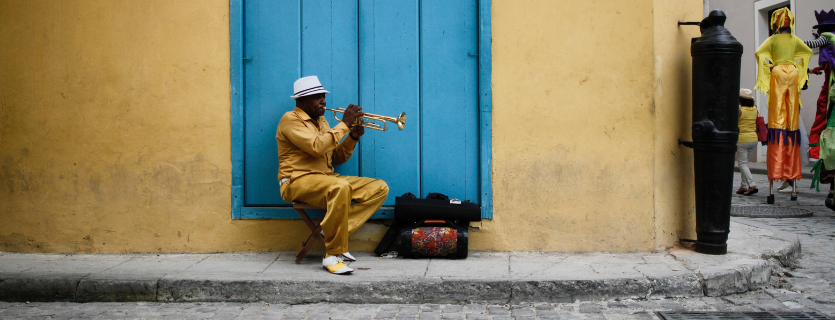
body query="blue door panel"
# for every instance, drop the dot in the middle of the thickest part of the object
(413, 56)
(449, 98)
(273, 45)
(389, 77)
(330, 52)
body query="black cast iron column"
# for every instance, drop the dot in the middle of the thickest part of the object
(716, 67)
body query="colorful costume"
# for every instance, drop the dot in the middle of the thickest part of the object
(827, 136)
(782, 78)
(826, 60)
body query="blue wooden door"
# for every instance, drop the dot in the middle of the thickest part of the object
(449, 98)
(418, 57)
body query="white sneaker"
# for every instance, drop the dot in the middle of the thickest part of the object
(348, 257)
(335, 265)
(345, 256)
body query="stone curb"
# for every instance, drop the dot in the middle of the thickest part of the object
(786, 254)
(457, 291)
(738, 274)
(748, 274)
(752, 274)
(297, 292)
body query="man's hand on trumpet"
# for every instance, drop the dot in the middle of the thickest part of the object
(357, 132)
(352, 114)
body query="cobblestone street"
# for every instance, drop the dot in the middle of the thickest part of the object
(809, 286)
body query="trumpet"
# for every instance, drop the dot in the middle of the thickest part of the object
(400, 120)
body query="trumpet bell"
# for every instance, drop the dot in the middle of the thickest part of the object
(401, 121)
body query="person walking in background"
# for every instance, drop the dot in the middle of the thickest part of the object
(782, 61)
(747, 143)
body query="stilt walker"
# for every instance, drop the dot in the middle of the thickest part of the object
(826, 60)
(782, 61)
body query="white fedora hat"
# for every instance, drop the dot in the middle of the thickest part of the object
(307, 86)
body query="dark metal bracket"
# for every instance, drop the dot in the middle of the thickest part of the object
(688, 23)
(688, 144)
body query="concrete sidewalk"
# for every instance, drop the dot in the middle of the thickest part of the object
(491, 277)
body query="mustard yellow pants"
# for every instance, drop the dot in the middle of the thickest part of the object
(783, 161)
(336, 193)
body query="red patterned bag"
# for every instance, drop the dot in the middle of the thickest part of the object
(434, 241)
(762, 129)
(434, 238)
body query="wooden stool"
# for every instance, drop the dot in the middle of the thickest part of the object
(315, 230)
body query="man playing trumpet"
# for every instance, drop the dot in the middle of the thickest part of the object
(307, 150)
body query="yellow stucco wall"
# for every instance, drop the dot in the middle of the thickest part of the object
(674, 197)
(115, 129)
(577, 128)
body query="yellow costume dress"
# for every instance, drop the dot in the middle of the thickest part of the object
(782, 61)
